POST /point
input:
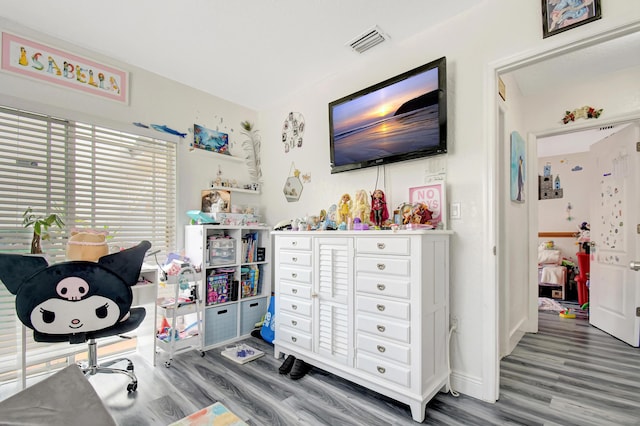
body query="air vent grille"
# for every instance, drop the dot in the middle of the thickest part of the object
(365, 41)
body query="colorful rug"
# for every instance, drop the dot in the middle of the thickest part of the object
(213, 415)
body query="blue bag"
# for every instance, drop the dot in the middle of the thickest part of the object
(268, 330)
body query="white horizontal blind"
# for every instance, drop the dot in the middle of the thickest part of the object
(93, 177)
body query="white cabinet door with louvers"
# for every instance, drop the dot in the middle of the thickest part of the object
(333, 271)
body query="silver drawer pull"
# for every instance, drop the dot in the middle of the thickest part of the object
(294, 275)
(294, 259)
(381, 328)
(380, 307)
(381, 287)
(382, 370)
(294, 339)
(294, 290)
(381, 266)
(381, 246)
(294, 307)
(294, 323)
(381, 349)
(293, 243)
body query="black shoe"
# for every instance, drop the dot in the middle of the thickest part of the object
(287, 364)
(300, 368)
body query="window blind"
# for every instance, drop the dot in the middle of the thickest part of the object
(93, 177)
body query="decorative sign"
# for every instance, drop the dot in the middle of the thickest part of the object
(35, 60)
(433, 195)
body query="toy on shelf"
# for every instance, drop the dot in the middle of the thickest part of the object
(362, 208)
(379, 211)
(344, 209)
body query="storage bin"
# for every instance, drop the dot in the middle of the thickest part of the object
(221, 324)
(222, 251)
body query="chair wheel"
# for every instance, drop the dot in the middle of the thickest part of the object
(130, 367)
(132, 387)
(167, 364)
(202, 353)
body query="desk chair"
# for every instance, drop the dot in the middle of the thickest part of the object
(78, 301)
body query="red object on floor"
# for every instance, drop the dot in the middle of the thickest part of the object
(581, 279)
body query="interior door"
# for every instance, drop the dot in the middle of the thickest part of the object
(614, 291)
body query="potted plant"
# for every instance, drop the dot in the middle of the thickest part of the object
(41, 225)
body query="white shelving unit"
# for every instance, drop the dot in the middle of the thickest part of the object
(186, 301)
(229, 258)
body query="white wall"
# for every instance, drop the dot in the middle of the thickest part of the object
(576, 190)
(494, 30)
(153, 99)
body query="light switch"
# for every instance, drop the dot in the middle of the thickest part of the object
(456, 213)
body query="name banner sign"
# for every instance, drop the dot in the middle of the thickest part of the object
(35, 60)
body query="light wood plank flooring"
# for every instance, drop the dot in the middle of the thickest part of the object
(569, 373)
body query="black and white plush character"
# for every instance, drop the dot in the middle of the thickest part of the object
(74, 297)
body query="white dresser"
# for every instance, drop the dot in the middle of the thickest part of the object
(369, 306)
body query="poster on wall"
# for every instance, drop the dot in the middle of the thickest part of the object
(434, 196)
(518, 161)
(44, 63)
(210, 140)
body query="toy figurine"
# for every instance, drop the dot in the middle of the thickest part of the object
(344, 209)
(379, 211)
(422, 214)
(362, 209)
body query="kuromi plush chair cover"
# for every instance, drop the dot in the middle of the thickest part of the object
(77, 301)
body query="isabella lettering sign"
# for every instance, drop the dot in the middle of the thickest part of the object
(35, 60)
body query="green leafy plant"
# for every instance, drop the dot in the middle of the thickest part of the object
(41, 225)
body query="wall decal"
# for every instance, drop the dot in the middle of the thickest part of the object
(293, 131)
(584, 112)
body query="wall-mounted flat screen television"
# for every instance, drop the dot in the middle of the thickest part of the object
(402, 118)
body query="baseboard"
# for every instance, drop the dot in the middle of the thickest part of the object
(467, 385)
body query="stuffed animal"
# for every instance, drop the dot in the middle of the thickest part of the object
(72, 298)
(87, 245)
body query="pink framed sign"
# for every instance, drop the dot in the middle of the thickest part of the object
(35, 60)
(433, 195)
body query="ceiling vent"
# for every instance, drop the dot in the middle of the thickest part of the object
(365, 41)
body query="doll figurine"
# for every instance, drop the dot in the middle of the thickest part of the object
(344, 209)
(362, 209)
(379, 211)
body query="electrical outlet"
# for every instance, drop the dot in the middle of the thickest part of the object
(455, 324)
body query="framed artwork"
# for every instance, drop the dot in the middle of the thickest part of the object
(210, 140)
(563, 15)
(216, 201)
(518, 172)
(292, 189)
(434, 196)
(51, 65)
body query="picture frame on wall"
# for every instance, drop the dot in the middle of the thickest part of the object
(518, 171)
(433, 194)
(563, 15)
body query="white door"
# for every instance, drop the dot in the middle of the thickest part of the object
(614, 291)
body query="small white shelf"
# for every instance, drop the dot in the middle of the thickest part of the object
(234, 189)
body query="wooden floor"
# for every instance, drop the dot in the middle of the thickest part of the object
(567, 374)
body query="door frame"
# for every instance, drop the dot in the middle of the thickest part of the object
(493, 230)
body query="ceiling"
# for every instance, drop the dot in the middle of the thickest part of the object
(255, 52)
(250, 52)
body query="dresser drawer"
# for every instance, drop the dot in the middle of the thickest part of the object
(384, 286)
(296, 290)
(385, 327)
(295, 258)
(294, 243)
(292, 337)
(381, 348)
(384, 265)
(383, 308)
(294, 322)
(295, 274)
(294, 305)
(384, 369)
(384, 245)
